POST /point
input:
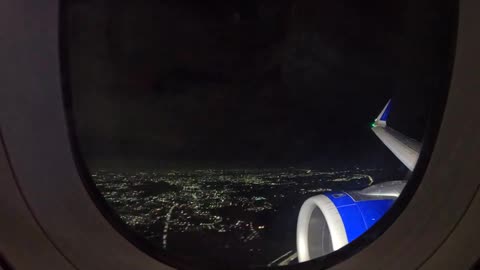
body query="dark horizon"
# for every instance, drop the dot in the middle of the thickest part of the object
(388, 163)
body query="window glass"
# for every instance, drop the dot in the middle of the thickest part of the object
(222, 131)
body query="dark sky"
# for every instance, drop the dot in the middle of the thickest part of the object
(251, 83)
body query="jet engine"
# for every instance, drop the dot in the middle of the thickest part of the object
(329, 221)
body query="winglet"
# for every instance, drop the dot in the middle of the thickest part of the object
(381, 119)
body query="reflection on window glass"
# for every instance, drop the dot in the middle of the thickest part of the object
(251, 133)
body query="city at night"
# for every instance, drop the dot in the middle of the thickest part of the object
(215, 213)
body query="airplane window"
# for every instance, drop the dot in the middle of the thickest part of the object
(234, 134)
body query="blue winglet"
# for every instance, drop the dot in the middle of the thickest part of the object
(386, 111)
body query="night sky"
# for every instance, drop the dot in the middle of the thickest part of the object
(252, 83)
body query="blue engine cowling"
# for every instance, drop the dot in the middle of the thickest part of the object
(329, 221)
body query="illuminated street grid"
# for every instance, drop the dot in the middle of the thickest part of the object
(155, 203)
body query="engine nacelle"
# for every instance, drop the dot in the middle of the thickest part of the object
(331, 220)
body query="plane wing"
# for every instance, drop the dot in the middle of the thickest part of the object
(404, 148)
